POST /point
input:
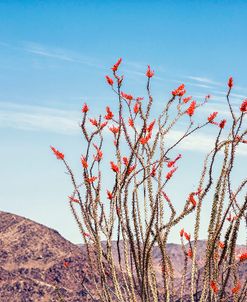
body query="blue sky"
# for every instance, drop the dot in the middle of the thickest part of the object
(54, 56)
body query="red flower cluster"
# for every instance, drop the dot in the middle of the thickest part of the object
(222, 124)
(243, 257)
(131, 122)
(172, 162)
(136, 107)
(211, 117)
(153, 172)
(139, 99)
(243, 107)
(230, 82)
(143, 140)
(109, 80)
(186, 100)
(99, 155)
(149, 72)
(66, 264)
(221, 244)
(85, 108)
(114, 167)
(103, 125)
(191, 109)
(192, 199)
(126, 96)
(131, 168)
(109, 195)
(116, 65)
(170, 173)
(236, 289)
(58, 154)
(84, 162)
(125, 161)
(93, 122)
(214, 287)
(180, 91)
(150, 127)
(190, 253)
(72, 199)
(109, 114)
(91, 179)
(187, 236)
(114, 129)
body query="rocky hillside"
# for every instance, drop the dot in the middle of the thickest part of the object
(38, 265)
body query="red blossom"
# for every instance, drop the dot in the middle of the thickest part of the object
(93, 122)
(149, 72)
(114, 167)
(109, 114)
(180, 91)
(109, 80)
(212, 116)
(132, 168)
(191, 109)
(84, 162)
(190, 253)
(143, 140)
(116, 65)
(230, 82)
(153, 172)
(126, 96)
(103, 125)
(91, 179)
(151, 126)
(66, 264)
(214, 287)
(58, 154)
(99, 155)
(243, 107)
(86, 234)
(236, 289)
(242, 257)
(72, 199)
(85, 108)
(172, 162)
(131, 122)
(109, 195)
(229, 218)
(181, 232)
(187, 236)
(222, 124)
(221, 244)
(139, 99)
(170, 173)
(186, 100)
(114, 129)
(125, 161)
(136, 107)
(192, 199)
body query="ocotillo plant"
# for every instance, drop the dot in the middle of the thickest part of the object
(133, 205)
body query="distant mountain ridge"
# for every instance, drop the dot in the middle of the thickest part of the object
(33, 258)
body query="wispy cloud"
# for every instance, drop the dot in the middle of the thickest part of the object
(45, 119)
(204, 80)
(199, 142)
(37, 118)
(59, 54)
